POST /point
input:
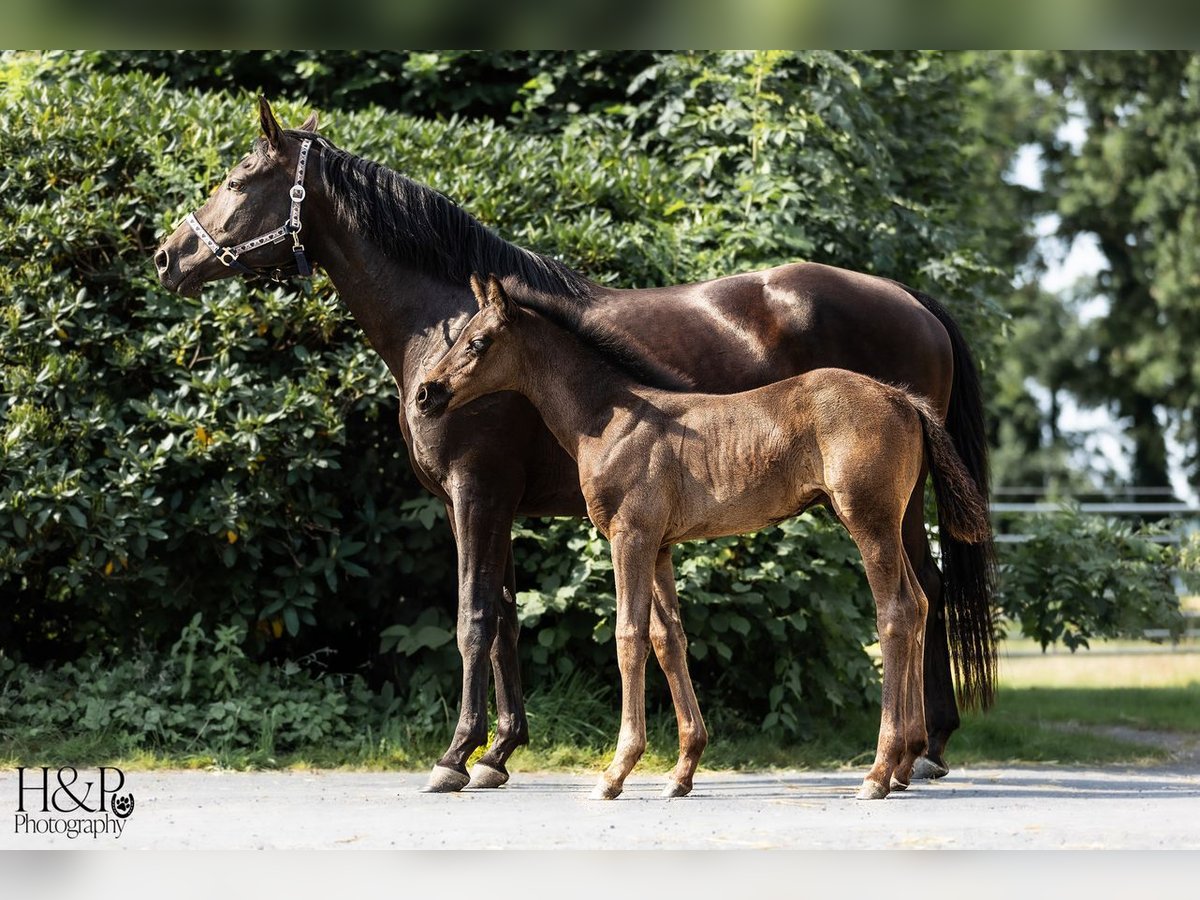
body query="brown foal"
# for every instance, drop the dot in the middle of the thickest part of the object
(658, 467)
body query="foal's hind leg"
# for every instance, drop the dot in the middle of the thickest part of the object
(914, 708)
(941, 711)
(898, 611)
(670, 646)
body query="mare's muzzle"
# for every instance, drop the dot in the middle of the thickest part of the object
(432, 398)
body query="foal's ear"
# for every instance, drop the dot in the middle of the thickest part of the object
(477, 289)
(310, 124)
(497, 297)
(269, 124)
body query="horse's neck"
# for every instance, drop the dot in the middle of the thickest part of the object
(573, 388)
(408, 317)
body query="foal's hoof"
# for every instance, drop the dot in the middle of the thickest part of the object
(926, 768)
(675, 789)
(444, 780)
(605, 791)
(871, 790)
(898, 785)
(485, 776)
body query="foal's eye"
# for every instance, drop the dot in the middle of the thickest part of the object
(235, 185)
(479, 345)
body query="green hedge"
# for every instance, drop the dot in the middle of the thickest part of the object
(1078, 577)
(236, 457)
(491, 84)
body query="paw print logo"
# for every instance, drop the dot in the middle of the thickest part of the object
(122, 806)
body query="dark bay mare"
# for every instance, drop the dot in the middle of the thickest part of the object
(400, 256)
(660, 467)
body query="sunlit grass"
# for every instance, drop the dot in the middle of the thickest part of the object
(1055, 707)
(1109, 664)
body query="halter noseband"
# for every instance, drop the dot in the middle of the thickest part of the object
(229, 255)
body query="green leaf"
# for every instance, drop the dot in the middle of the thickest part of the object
(431, 636)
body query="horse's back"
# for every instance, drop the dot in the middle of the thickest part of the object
(740, 331)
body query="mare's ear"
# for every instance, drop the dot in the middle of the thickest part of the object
(497, 297)
(269, 124)
(481, 296)
(310, 124)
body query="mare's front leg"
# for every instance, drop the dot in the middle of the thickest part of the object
(633, 565)
(512, 727)
(670, 646)
(483, 531)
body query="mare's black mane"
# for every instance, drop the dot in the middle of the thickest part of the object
(419, 226)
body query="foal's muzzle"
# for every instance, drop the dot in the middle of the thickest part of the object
(432, 398)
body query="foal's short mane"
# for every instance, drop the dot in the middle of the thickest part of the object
(417, 225)
(611, 347)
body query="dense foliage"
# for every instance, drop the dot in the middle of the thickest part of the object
(1061, 586)
(228, 468)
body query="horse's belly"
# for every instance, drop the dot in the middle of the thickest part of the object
(751, 510)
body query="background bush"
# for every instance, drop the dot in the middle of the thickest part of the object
(229, 468)
(1079, 577)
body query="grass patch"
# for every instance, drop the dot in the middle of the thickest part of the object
(1170, 709)
(1063, 719)
(1054, 724)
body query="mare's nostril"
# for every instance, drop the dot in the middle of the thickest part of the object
(162, 261)
(422, 397)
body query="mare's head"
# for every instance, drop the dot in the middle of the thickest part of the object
(255, 199)
(484, 359)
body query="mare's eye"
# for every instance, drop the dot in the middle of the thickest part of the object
(479, 345)
(235, 185)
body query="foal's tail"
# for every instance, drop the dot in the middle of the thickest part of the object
(966, 544)
(962, 511)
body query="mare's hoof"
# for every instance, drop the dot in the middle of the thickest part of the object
(926, 768)
(444, 780)
(675, 789)
(485, 776)
(605, 791)
(898, 785)
(871, 790)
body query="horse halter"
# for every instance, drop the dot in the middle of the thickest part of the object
(229, 255)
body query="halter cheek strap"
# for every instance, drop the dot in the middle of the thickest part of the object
(229, 255)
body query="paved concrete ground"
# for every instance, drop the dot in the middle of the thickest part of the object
(1011, 808)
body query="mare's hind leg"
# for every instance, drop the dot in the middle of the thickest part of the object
(670, 646)
(899, 614)
(941, 711)
(633, 564)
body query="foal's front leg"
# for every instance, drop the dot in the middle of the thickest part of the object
(633, 564)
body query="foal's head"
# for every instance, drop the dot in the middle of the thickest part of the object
(484, 358)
